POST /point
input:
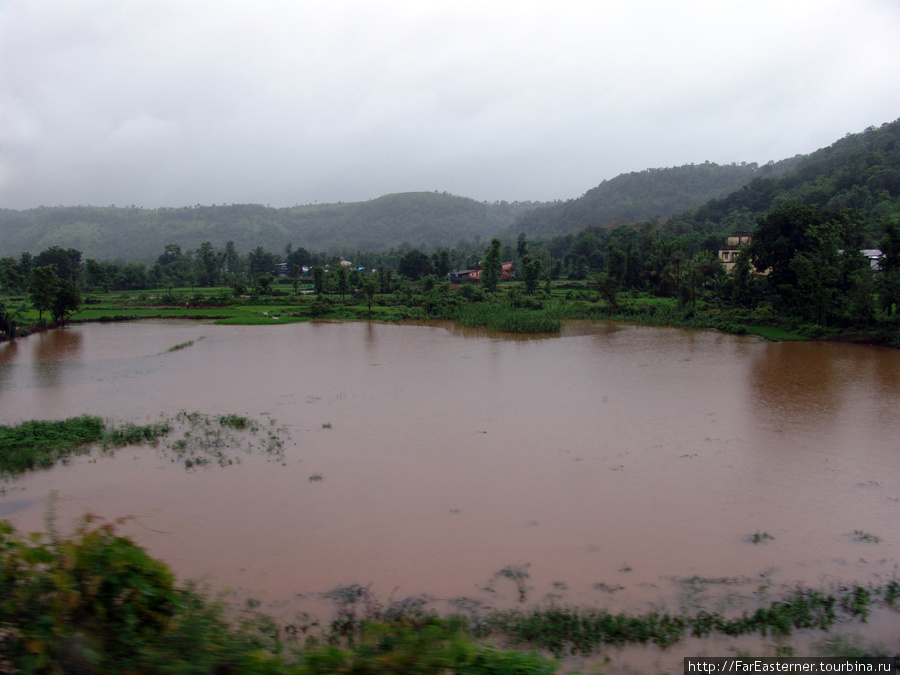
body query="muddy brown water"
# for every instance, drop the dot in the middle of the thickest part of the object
(612, 460)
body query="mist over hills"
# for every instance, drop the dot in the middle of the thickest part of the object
(423, 219)
(426, 220)
(861, 171)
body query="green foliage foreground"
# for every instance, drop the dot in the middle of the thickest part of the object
(97, 603)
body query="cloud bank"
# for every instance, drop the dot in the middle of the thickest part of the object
(171, 103)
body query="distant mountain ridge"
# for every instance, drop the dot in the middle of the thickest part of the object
(424, 219)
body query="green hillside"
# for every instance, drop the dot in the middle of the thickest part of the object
(425, 219)
(640, 196)
(860, 171)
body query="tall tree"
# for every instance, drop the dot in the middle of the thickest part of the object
(440, 263)
(491, 266)
(233, 262)
(342, 282)
(67, 262)
(521, 245)
(208, 265)
(13, 278)
(369, 287)
(260, 261)
(781, 235)
(742, 279)
(889, 268)
(318, 275)
(66, 300)
(42, 288)
(414, 264)
(97, 275)
(531, 272)
(608, 287)
(817, 273)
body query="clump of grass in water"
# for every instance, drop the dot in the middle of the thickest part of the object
(315, 478)
(867, 537)
(518, 574)
(39, 444)
(209, 438)
(132, 434)
(236, 422)
(761, 537)
(608, 588)
(183, 345)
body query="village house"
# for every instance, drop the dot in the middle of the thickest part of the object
(507, 272)
(728, 253)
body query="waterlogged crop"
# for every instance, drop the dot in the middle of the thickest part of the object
(39, 444)
(204, 439)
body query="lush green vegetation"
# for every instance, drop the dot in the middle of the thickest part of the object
(859, 172)
(640, 196)
(95, 602)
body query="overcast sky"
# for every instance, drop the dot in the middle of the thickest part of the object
(182, 102)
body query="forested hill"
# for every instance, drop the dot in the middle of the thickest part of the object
(424, 219)
(640, 196)
(860, 171)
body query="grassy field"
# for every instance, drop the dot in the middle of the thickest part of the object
(508, 310)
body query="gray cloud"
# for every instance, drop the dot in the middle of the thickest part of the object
(162, 102)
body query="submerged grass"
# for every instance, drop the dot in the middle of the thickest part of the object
(131, 434)
(583, 631)
(39, 444)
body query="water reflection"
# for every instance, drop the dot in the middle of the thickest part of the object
(55, 352)
(796, 384)
(8, 352)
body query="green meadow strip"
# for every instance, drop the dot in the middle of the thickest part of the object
(499, 317)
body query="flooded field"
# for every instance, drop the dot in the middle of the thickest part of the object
(611, 463)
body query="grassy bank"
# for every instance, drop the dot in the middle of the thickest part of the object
(508, 310)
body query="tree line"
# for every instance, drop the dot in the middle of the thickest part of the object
(804, 263)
